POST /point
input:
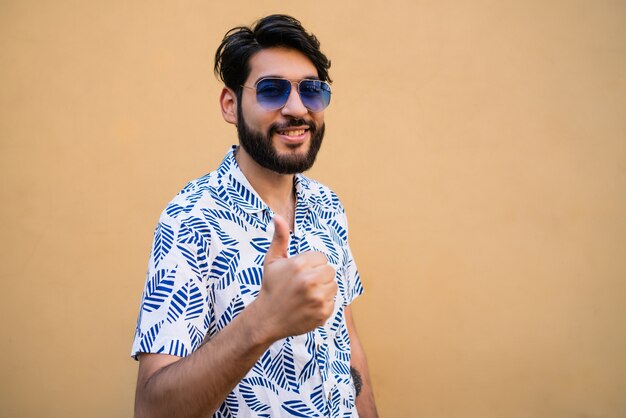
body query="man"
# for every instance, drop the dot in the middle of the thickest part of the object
(246, 306)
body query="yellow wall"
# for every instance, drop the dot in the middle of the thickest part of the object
(478, 146)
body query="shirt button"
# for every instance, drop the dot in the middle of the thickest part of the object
(328, 396)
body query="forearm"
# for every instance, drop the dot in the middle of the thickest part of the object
(365, 403)
(198, 384)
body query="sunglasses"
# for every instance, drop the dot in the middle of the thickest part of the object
(273, 93)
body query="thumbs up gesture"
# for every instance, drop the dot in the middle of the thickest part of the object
(297, 293)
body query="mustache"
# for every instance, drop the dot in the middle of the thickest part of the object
(291, 123)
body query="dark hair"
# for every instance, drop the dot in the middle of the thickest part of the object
(232, 58)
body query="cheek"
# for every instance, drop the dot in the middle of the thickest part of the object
(318, 118)
(250, 109)
(257, 119)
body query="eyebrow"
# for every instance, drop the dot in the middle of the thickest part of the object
(309, 77)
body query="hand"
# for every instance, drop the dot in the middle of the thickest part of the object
(297, 294)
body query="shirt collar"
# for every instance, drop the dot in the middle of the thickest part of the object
(239, 190)
(304, 196)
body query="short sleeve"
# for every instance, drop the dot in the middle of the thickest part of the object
(350, 273)
(174, 315)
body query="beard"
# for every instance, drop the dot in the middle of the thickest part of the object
(259, 146)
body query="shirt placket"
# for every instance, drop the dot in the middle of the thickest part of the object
(302, 213)
(322, 367)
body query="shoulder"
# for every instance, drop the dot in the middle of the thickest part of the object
(205, 192)
(197, 194)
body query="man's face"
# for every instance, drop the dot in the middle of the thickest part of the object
(285, 140)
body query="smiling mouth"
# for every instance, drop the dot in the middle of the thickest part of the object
(292, 132)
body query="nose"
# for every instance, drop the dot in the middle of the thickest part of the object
(294, 106)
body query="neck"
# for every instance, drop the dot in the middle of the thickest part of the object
(274, 188)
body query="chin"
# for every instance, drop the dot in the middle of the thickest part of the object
(291, 148)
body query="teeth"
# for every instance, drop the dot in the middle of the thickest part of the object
(295, 132)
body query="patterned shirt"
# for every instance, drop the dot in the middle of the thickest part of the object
(206, 266)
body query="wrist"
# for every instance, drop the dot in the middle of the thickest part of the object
(258, 325)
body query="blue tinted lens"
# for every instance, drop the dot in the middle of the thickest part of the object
(272, 93)
(315, 94)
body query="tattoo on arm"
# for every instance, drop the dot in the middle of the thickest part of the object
(356, 378)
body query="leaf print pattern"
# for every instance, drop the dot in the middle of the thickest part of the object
(163, 238)
(206, 266)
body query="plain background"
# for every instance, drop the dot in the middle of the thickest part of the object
(479, 148)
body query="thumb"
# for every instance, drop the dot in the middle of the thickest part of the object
(280, 241)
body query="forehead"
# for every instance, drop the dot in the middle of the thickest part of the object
(280, 62)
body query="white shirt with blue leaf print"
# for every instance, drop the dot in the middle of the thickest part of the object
(206, 266)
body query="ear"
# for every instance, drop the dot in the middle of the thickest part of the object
(228, 103)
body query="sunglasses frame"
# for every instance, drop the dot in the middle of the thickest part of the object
(291, 83)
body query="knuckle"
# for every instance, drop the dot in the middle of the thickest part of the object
(301, 286)
(321, 318)
(330, 271)
(327, 312)
(315, 299)
(322, 257)
(298, 263)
